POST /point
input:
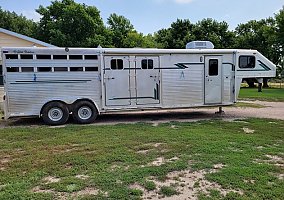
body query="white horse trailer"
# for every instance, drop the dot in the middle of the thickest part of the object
(54, 83)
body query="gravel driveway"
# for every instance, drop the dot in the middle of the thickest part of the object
(273, 110)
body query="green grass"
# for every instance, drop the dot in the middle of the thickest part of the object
(149, 185)
(168, 191)
(248, 105)
(267, 94)
(108, 157)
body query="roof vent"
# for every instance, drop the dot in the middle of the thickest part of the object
(200, 45)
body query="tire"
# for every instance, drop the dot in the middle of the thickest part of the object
(55, 113)
(84, 112)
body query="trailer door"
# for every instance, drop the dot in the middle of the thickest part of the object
(213, 80)
(116, 81)
(147, 73)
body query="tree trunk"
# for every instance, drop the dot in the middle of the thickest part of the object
(250, 82)
(265, 83)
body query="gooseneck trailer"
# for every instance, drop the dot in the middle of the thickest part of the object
(55, 83)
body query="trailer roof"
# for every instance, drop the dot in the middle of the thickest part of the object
(120, 50)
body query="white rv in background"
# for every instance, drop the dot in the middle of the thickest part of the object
(55, 83)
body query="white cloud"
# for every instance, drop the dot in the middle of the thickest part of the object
(31, 14)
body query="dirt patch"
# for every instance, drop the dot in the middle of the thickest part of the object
(155, 124)
(82, 177)
(280, 176)
(160, 161)
(64, 149)
(249, 181)
(260, 147)
(68, 166)
(247, 130)
(150, 147)
(276, 160)
(89, 191)
(218, 166)
(174, 127)
(235, 149)
(51, 179)
(156, 145)
(37, 189)
(144, 151)
(173, 159)
(5, 160)
(117, 166)
(187, 183)
(2, 186)
(272, 159)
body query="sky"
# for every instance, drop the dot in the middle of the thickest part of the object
(149, 16)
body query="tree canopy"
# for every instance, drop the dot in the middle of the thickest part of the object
(17, 23)
(67, 23)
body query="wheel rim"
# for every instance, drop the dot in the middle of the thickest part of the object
(85, 112)
(55, 114)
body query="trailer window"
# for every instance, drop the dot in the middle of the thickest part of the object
(76, 69)
(247, 62)
(43, 57)
(59, 57)
(12, 69)
(147, 64)
(44, 69)
(75, 57)
(27, 69)
(60, 69)
(26, 56)
(91, 69)
(116, 64)
(213, 67)
(11, 56)
(91, 57)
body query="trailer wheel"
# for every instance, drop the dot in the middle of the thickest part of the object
(84, 112)
(55, 113)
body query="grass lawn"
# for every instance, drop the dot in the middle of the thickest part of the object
(234, 160)
(248, 105)
(267, 94)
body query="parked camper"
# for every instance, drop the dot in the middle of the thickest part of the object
(55, 83)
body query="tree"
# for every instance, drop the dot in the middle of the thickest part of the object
(17, 23)
(120, 28)
(279, 17)
(67, 23)
(163, 37)
(182, 31)
(259, 35)
(177, 36)
(214, 31)
(133, 39)
(150, 42)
